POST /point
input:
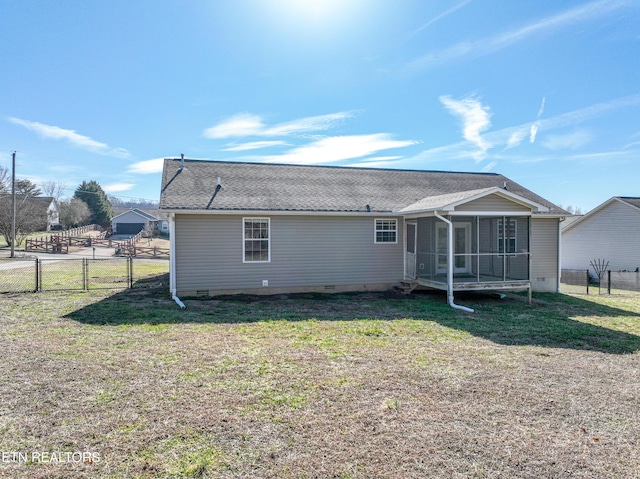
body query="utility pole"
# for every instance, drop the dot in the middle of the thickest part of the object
(13, 206)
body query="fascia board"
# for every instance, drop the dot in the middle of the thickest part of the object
(282, 212)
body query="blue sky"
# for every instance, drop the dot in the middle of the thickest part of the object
(545, 92)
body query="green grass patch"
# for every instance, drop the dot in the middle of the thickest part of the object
(301, 386)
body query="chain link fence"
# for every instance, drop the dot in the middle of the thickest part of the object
(82, 274)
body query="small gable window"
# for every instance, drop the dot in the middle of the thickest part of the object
(256, 242)
(386, 231)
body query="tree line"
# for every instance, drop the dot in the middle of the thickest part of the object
(88, 205)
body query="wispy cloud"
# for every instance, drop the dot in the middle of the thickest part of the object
(70, 136)
(117, 187)
(255, 145)
(583, 114)
(475, 119)
(571, 141)
(444, 14)
(246, 124)
(464, 151)
(489, 167)
(534, 128)
(339, 148)
(516, 138)
(485, 46)
(377, 162)
(147, 166)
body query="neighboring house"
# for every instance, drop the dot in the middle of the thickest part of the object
(44, 209)
(609, 232)
(267, 228)
(133, 221)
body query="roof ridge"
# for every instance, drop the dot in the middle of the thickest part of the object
(340, 167)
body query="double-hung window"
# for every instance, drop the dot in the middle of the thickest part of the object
(256, 241)
(507, 236)
(386, 231)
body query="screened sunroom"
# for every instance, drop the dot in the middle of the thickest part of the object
(474, 240)
(489, 252)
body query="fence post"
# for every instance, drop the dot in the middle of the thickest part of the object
(587, 282)
(85, 275)
(609, 281)
(130, 271)
(37, 288)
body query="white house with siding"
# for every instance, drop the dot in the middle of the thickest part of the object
(609, 232)
(267, 228)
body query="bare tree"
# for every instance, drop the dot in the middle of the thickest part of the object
(73, 212)
(574, 210)
(5, 180)
(27, 218)
(147, 232)
(54, 189)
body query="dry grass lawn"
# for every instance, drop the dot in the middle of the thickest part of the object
(313, 386)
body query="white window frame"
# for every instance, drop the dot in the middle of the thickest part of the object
(244, 240)
(390, 221)
(513, 236)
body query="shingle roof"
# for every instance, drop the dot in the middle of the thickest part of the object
(139, 212)
(631, 200)
(440, 201)
(275, 187)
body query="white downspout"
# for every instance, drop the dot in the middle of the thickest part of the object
(172, 261)
(450, 265)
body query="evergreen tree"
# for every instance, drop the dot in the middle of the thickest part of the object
(96, 199)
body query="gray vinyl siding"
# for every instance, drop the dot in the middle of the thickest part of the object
(493, 203)
(544, 254)
(306, 251)
(611, 233)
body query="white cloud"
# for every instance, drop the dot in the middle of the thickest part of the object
(255, 145)
(117, 187)
(516, 138)
(541, 109)
(242, 124)
(489, 167)
(475, 119)
(571, 141)
(245, 124)
(147, 166)
(462, 151)
(534, 132)
(338, 148)
(72, 137)
(485, 46)
(377, 162)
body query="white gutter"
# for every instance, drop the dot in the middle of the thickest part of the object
(172, 261)
(450, 265)
(558, 286)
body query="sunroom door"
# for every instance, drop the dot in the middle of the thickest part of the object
(410, 250)
(461, 247)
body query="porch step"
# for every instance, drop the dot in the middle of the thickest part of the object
(406, 286)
